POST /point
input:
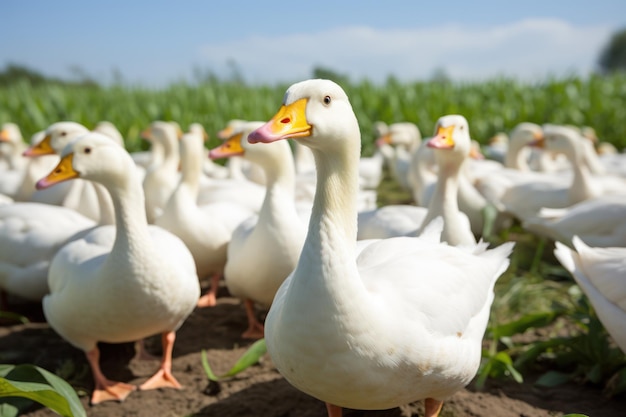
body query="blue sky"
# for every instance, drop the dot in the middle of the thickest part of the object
(156, 42)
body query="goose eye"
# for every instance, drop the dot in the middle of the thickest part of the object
(63, 133)
(327, 100)
(87, 150)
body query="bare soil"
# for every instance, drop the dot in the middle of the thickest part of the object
(258, 391)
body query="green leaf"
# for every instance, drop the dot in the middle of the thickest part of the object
(37, 384)
(552, 379)
(504, 358)
(9, 409)
(536, 349)
(524, 323)
(14, 316)
(249, 358)
(207, 367)
(483, 373)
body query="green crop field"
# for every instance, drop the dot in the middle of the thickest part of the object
(490, 106)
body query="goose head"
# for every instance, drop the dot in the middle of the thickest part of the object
(266, 155)
(526, 133)
(110, 130)
(57, 136)
(232, 126)
(198, 129)
(166, 134)
(318, 114)
(499, 140)
(11, 140)
(10, 133)
(405, 134)
(92, 156)
(452, 142)
(562, 139)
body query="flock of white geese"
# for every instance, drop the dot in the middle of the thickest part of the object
(369, 308)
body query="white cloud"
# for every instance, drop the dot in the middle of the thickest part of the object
(526, 49)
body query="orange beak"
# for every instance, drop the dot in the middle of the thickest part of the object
(231, 147)
(443, 139)
(42, 148)
(290, 122)
(64, 171)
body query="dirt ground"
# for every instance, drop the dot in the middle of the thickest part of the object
(258, 391)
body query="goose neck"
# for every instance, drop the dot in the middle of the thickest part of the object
(131, 221)
(191, 173)
(516, 157)
(444, 202)
(335, 201)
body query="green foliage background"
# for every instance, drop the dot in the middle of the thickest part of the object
(490, 106)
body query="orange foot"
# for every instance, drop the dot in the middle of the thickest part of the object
(162, 379)
(207, 300)
(112, 391)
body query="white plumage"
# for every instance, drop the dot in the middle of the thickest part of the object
(118, 283)
(402, 321)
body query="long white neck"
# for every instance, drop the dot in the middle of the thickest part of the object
(131, 222)
(15, 159)
(157, 154)
(516, 156)
(444, 203)
(582, 187)
(191, 170)
(327, 264)
(171, 157)
(280, 176)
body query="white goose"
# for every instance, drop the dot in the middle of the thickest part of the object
(30, 235)
(600, 272)
(11, 147)
(239, 168)
(422, 173)
(107, 128)
(252, 273)
(89, 199)
(497, 147)
(516, 170)
(161, 178)
(451, 147)
(205, 229)
(526, 199)
(404, 320)
(599, 222)
(34, 170)
(209, 168)
(118, 283)
(404, 138)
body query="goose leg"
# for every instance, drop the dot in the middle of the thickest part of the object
(432, 407)
(105, 389)
(255, 329)
(334, 410)
(164, 378)
(210, 298)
